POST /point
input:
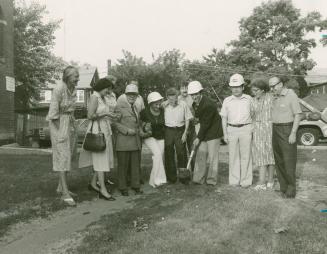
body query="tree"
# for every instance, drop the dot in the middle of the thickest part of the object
(34, 64)
(273, 40)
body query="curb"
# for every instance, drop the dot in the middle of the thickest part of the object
(24, 151)
(312, 147)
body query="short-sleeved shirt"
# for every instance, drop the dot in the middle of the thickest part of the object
(178, 115)
(188, 100)
(237, 110)
(157, 122)
(285, 106)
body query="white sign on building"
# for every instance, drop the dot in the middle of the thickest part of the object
(10, 84)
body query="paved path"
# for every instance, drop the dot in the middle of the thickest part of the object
(47, 235)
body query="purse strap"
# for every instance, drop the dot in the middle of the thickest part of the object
(99, 129)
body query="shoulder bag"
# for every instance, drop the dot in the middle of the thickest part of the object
(94, 142)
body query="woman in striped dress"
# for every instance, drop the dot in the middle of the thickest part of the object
(263, 156)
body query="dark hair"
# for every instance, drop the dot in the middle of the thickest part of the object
(182, 85)
(260, 83)
(68, 72)
(171, 91)
(102, 84)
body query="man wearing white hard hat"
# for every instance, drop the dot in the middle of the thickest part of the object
(237, 127)
(128, 141)
(153, 123)
(208, 137)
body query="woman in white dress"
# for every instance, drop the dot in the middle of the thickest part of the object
(100, 114)
(153, 122)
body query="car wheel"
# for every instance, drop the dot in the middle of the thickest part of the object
(307, 137)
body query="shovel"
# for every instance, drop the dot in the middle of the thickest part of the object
(185, 174)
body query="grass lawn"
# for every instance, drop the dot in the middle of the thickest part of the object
(203, 219)
(177, 218)
(28, 188)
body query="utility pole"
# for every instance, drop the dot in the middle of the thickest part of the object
(108, 66)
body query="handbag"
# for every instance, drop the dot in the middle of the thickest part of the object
(94, 142)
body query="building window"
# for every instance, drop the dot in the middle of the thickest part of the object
(45, 96)
(80, 95)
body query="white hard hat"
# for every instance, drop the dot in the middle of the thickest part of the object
(194, 87)
(131, 88)
(154, 96)
(236, 80)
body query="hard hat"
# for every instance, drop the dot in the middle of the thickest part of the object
(194, 87)
(131, 88)
(236, 80)
(154, 96)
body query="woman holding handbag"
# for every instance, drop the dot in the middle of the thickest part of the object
(97, 147)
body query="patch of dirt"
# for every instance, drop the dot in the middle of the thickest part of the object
(60, 232)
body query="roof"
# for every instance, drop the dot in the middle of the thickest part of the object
(86, 76)
(316, 76)
(318, 101)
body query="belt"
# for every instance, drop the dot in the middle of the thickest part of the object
(176, 127)
(238, 125)
(283, 124)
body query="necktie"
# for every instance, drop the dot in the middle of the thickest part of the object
(133, 110)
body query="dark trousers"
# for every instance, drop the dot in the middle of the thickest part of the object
(173, 144)
(285, 158)
(126, 160)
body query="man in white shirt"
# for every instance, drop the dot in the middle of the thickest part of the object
(237, 128)
(177, 118)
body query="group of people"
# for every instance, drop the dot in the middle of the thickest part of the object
(259, 131)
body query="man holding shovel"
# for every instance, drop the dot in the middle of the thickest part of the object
(208, 137)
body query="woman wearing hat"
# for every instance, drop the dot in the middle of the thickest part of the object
(63, 130)
(128, 141)
(99, 114)
(153, 122)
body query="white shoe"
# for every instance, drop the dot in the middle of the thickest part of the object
(270, 186)
(260, 187)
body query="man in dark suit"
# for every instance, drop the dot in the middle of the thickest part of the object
(208, 137)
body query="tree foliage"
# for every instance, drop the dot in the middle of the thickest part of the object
(273, 39)
(34, 63)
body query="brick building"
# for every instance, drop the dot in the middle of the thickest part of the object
(7, 82)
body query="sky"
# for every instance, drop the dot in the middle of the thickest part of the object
(93, 31)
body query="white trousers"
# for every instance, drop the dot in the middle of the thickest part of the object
(158, 174)
(240, 155)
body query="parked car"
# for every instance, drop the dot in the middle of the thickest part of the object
(314, 126)
(41, 136)
(311, 131)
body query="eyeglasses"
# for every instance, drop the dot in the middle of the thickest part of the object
(272, 87)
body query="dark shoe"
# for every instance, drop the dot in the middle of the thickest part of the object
(109, 182)
(91, 188)
(124, 193)
(138, 191)
(101, 196)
